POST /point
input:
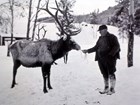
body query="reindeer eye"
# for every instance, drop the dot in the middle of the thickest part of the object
(73, 43)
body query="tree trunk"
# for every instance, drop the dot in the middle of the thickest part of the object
(29, 20)
(36, 16)
(12, 21)
(130, 49)
(11, 2)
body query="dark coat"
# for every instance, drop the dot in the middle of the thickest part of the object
(106, 46)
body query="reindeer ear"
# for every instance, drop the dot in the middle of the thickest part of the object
(65, 37)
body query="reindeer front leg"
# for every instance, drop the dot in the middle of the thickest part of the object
(46, 75)
(49, 83)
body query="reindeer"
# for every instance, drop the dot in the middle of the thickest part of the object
(42, 53)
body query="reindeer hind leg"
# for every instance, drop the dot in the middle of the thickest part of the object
(44, 74)
(15, 67)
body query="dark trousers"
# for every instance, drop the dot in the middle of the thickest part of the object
(107, 66)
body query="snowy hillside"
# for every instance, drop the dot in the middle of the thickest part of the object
(75, 83)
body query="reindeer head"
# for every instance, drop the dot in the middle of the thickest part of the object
(70, 44)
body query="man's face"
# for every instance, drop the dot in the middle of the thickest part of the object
(103, 32)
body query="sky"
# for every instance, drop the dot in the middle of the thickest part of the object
(88, 6)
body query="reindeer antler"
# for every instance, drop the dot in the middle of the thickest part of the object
(68, 21)
(65, 24)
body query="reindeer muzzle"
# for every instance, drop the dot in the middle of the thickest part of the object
(77, 47)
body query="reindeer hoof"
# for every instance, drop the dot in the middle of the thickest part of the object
(45, 91)
(50, 87)
(12, 86)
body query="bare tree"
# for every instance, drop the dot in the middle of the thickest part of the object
(11, 2)
(5, 13)
(8, 14)
(5, 17)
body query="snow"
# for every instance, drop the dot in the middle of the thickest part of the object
(75, 83)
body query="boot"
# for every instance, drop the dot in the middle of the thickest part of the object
(112, 85)
(106, 89)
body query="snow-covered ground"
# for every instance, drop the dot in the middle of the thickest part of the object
(75, 83)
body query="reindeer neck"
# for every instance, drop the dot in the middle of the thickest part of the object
(58, 49)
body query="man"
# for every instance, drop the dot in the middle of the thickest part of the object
(107, 52)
